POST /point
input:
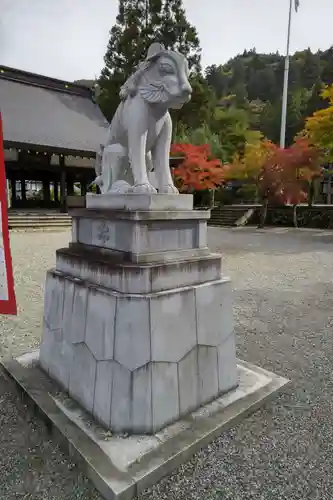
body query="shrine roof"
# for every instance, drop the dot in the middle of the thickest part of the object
(45, 113)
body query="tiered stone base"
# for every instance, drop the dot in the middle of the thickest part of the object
(138, 319)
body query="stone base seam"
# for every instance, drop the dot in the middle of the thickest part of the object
(81, 282)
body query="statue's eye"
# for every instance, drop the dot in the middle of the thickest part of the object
(166, 68)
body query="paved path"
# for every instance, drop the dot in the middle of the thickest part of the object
(283, 289)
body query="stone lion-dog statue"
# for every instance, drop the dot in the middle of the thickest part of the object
(139, 136)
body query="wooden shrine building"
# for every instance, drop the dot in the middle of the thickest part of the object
(52, 130)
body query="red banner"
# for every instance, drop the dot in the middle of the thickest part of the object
(7, 292)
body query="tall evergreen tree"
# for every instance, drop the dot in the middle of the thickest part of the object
(138, 24)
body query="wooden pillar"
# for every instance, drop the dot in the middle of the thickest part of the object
(55, 191)
(23, 190)
(12, 192)
(70, 186)
(46, 191)
(83, 188)
(63, 176)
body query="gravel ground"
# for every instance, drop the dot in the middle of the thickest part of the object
(283, 285)
(31, 466)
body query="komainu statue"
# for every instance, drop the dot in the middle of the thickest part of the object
(139, 136)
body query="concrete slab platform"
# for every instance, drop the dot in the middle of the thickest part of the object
(122, 466)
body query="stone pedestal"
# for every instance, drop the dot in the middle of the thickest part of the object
(138, 318)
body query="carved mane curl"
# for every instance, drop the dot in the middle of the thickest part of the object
(130, 87)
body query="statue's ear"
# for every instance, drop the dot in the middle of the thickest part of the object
(154, 51)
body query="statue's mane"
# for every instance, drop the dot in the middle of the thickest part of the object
(130, 87)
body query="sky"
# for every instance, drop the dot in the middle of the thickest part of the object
(67, 39)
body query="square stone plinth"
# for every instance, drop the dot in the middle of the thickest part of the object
(138, 362)
(142, 236)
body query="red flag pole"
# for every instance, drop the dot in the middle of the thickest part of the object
(7, 292)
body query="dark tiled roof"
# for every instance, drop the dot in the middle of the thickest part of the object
(45, 112)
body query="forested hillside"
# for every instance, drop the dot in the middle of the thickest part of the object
(254, 81)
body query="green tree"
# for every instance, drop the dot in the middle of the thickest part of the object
(326, 59)
(200, 136)
(231, 125)
(315, 101)
(218, 79)
(310, 68)
(262, 85)
(167, 24)
(138, 24)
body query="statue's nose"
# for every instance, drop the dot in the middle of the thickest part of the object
(186, 88)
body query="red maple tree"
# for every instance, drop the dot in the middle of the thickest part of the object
(286, 175)
(199, 170)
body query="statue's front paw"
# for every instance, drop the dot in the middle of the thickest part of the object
(120, 187)
(145, 188)
(168, 189)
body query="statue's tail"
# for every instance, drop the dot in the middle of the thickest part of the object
(111, 138)
(110, 146)
(113, 130)
(98, 168)
(99, 160)
(98, 182)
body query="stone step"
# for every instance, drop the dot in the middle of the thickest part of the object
(38, 216)
(38, 223)
(30, 221)
(228, 216)
(42, 220)
(31, 224)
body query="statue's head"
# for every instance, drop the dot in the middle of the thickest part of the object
(161, 79)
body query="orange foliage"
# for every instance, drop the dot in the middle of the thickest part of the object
(248, 167)
(286, 174)
(319, 126)
(198, 171)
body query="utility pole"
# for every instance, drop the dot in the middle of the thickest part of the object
(286, 77)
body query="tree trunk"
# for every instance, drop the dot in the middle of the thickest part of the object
(311, 192)
(263, 214)
(256, 196)
(329, 189)
(212, 199)
(295, 216)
